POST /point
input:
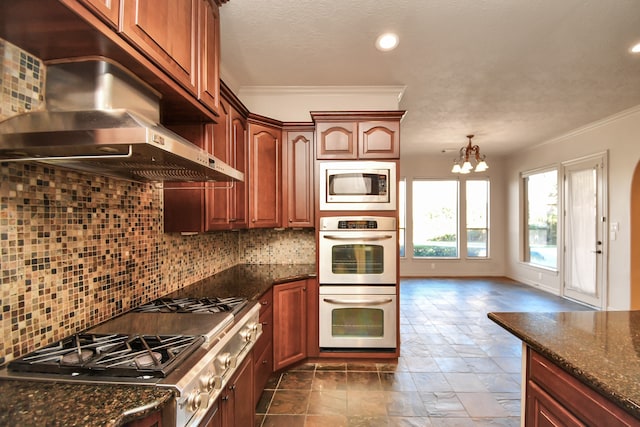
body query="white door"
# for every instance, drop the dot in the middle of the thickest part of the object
(584, 230)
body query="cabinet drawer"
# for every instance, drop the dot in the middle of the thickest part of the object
(266, 301)
(266, 338)
(262, 370)
(586, 404)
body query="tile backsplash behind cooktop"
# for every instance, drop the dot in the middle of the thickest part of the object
(77, 249)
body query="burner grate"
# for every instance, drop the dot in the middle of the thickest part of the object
(111, 355)
(193, 305)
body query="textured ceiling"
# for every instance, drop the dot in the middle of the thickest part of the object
(514, 72)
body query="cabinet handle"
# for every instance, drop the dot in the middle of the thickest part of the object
(264, 302)
(225, 398)
(265, 323)
(232, 387)
(264, 362)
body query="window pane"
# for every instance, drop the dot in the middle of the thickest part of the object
(402, 215)
(435, 218)
(477, 218)
(542, 218)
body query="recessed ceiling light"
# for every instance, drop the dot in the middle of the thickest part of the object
(387, 42)
(635, 48)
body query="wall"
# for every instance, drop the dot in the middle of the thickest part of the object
(439, 166)
(619, 136)
(78, 249)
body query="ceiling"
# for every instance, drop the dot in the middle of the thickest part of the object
(512, 72)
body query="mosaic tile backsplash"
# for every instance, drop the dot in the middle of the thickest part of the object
(78, 249)
(21, 79)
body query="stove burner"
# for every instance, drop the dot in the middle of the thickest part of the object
(110, 355)
(193, 305)
(76, 357)
(147, 360)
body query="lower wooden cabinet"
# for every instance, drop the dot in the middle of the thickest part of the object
(263, 349)
(237, 408)
(152, 420)
(289, 323)
(555, 398)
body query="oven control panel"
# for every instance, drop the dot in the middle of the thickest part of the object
(339, 223)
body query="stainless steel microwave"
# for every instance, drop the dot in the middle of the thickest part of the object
(358, 186)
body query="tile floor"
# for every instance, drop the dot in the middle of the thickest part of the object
(456, 368)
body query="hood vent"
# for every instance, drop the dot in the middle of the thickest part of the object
(101, 119)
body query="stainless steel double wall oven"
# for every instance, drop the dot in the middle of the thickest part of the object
(357, 276)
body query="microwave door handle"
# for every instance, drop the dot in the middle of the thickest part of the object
(366, 302)
(360, 239)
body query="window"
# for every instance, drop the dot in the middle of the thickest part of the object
(402, 214)
(541, 210)
(435, 218)
(477, 198)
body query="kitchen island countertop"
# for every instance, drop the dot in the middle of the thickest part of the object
(74, 404)
(599, 348)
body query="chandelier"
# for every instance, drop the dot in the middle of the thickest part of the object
(463, 163)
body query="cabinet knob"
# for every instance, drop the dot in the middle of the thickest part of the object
(304, 289)
(232, 387)
(253, 220)
(225, 398)
(265, 323)
(264, 362)
(264, 302)
(290, 220)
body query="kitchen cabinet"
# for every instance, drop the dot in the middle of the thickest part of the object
(107, 10)
(236, 400)
(265, 173)
(357, 135)
(209, 54)
(166, 31)
(555, 398)
(289, 323)
(298, 190)
(201, 207)
(186, 203)
(263, 349)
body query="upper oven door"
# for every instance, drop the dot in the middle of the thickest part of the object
(357, 257)
(357, 185)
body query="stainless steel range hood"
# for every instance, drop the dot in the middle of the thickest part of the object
(101, 119)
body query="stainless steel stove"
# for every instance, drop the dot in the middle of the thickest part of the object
(192, 347)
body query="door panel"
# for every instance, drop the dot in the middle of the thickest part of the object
(584, 231)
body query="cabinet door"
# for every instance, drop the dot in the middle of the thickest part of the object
(218, 203)
(289, 323)
(336, 140)
(165, 30)
(209, 56)
(108, 10)
(185, 203)
(238, 200)
(299, 180)
(544, 411)
(237, 400)
(379, 140)
(265, 170)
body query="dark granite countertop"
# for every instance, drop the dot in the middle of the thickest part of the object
(63, 404)
(30, 403)
(599, 348)
(246, 280)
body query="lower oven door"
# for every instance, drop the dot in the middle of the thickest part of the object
(357, 317)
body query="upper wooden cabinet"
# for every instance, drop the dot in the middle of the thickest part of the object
(298, 192)
(166, 30)
(108, 10)
(209, 55)
(357, 135)
(265, 173)
(337, 140)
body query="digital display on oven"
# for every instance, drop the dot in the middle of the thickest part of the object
(357, 224)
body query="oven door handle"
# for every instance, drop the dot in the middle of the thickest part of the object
(366, 302)
(360, 239)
